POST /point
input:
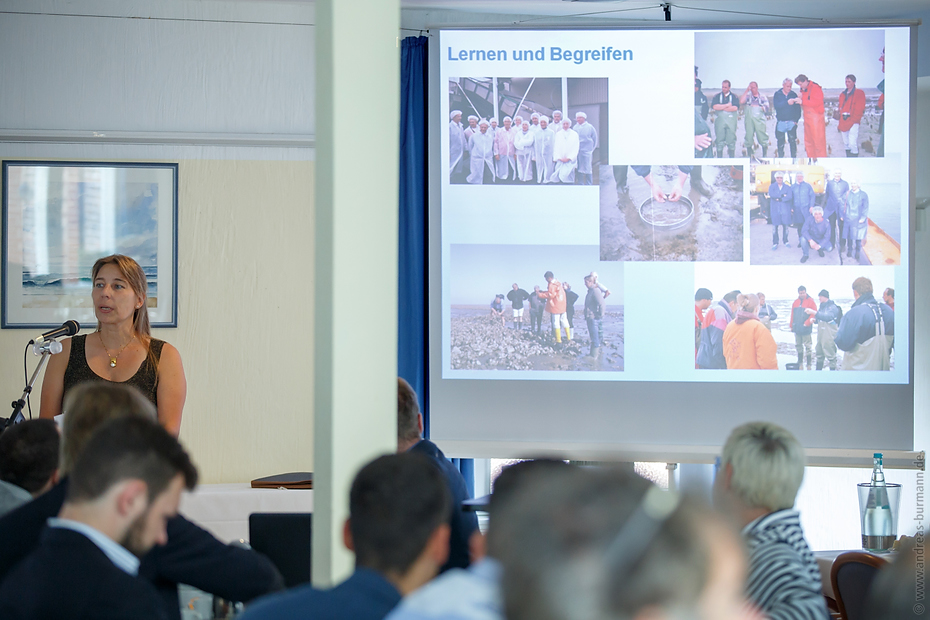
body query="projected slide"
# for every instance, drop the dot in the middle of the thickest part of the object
(597, 185)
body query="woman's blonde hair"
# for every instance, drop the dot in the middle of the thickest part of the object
(135, 277)
(748, 302)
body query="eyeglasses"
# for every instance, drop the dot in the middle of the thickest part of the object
(635, 536)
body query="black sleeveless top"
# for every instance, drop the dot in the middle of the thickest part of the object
(78, 371)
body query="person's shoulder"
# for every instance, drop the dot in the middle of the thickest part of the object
(456, 594)
(299, 602)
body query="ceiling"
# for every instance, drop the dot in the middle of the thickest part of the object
(542, 13)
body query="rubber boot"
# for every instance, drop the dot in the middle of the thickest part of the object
(851, 154)
(558, 335)
(568, 332)
(858, 247)
(819, 364)
(848, 153)
(808, 362)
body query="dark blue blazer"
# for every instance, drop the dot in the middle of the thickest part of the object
(192, 556)
(68, 576)
(463, 524)
(366, 595)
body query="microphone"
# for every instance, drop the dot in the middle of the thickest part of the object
(68, 328)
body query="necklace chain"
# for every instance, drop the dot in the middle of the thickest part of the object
(113, 358)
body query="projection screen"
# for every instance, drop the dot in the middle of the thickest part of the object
(671, 168)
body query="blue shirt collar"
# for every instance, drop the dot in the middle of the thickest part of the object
(119, 555)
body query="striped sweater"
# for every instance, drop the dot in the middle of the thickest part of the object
(784, 580)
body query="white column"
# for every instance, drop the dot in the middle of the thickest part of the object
(355, 357)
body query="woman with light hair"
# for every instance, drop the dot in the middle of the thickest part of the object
(747, 344)
(761, 470)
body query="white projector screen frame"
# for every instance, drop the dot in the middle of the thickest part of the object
(592, 415)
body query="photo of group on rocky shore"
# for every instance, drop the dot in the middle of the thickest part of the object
(795, 321)
(533, 307)
(834, 212)
(526, 131)
(821, 94)
(671, 213)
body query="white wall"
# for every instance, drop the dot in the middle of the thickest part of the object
(192, 73)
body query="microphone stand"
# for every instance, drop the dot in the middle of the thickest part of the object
(49, 347)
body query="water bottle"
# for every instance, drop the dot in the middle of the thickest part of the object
(877, 524)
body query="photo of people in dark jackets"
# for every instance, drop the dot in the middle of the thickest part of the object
(816, 320)
(671, 213)
(536, 308)
(834, 212)
(527, 131)
(818, 95)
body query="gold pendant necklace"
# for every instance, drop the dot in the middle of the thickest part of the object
(113, 358)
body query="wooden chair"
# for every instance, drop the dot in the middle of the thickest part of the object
(851, 576)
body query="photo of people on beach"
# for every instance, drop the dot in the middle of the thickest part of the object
(791, 93)
(835, 212)
(793, 319)
(526, 131)
(533, 307)
(671, 213)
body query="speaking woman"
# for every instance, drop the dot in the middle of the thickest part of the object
(122, 349)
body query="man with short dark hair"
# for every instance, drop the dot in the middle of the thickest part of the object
(726, 106)
(192, 555)
(516, 297)
(474, 594)
(124, 488)
(815, 130)
(802, 325)
(703, 298)
(28, 462)
(828, 318)
(888, 297)
(398, 529)
(866, 333)
(410, 439)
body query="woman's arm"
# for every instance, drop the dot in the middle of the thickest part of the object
(172, 389)
(53, 383)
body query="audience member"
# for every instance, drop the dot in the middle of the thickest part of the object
(123, 489)
(28, 462)
(192, 555)
(398, 529)
(609, 545)
(761, 470)
(474, 593)
(897, 592)
(410, 438)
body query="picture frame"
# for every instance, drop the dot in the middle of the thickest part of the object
(59, 217)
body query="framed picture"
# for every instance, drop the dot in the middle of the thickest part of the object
(60, 217)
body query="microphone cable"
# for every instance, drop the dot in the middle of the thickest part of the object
(26, 380)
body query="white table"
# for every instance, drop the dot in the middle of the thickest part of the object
(224, 509)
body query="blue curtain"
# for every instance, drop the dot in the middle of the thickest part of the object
(412, 325)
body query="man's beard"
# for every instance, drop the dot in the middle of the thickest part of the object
(133, 540)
